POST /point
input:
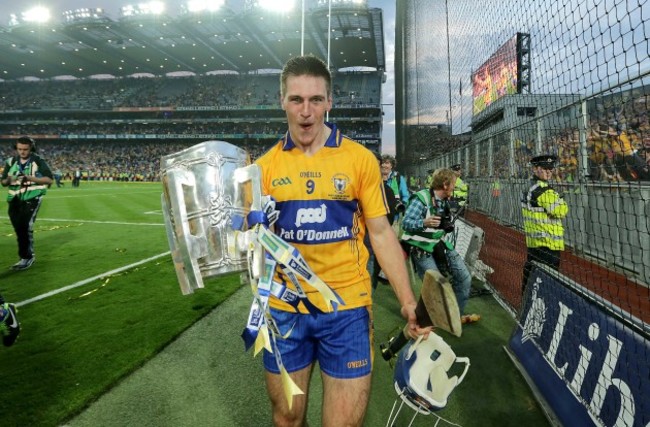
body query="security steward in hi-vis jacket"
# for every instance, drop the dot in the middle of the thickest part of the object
(461, 189)
(28, 177)
(543, 209)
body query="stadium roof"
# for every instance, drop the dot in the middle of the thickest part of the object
(190, 42)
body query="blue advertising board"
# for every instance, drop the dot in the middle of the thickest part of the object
(592, 367)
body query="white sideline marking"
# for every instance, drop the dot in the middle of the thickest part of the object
(160, 224)
(76, 196)
(92, 279)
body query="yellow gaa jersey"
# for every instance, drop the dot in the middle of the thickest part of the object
(323, 200)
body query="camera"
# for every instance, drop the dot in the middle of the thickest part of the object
(21, 179)
(446, 224)
(400, 207)
(446, 221)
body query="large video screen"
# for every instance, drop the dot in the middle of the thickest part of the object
(496, 77)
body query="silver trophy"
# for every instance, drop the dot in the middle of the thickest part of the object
(201, 199)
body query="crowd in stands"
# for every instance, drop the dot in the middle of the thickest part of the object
(272, 130)
(617, 143)
(103, 128)
(617, 137)
(115, 160)
(192, 91)
(242, 130)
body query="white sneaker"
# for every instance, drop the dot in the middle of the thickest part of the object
(9, 327)
(23, 264)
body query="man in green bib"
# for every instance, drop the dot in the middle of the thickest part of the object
(426, 221)
(28, 177)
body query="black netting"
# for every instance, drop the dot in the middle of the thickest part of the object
(491, 84)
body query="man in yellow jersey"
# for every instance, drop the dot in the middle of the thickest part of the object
(328, 191)
(543, 209)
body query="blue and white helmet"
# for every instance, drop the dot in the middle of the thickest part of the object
(421, 373)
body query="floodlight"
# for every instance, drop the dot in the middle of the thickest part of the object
(150, 8)
(37, 14)
(83, 14)
(337, 3)
(154, 7)
(204, 5)
(276, 5)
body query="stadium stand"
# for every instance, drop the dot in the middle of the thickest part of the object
(200, 94)
(243, 110)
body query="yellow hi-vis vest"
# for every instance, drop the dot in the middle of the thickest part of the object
(543, 209)
(460, 191)
(428, 181)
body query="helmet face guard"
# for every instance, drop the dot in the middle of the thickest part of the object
(422, 374)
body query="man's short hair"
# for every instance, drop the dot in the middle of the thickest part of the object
(456, 167)
(441, 177)
(26, 140)
(305, 65)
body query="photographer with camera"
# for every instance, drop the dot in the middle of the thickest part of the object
(396, 182)
(426, 222)
(28, 177)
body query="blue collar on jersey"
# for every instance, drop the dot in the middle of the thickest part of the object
(334, 139)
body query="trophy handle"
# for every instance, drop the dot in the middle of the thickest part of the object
(251, 173)
(189, 247)
(177, 258)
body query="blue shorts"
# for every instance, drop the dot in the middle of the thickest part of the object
(341, 342)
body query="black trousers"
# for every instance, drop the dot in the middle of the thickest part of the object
(22, 214)
(542, 255)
